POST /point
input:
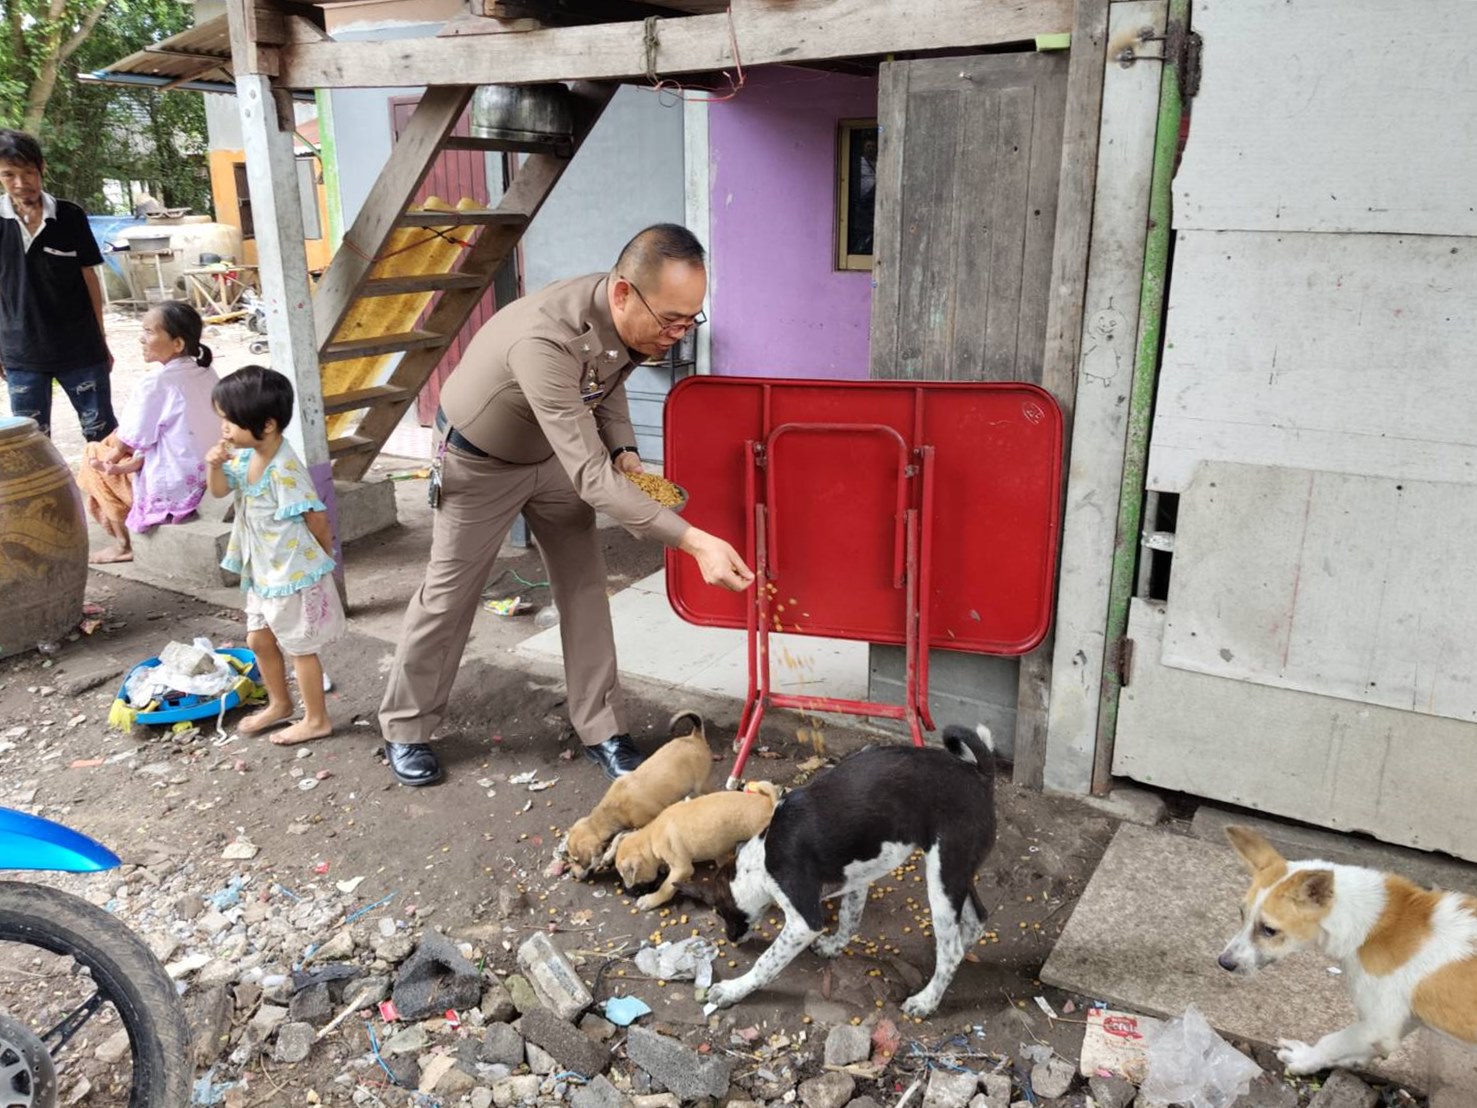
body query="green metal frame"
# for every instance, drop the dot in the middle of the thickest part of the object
(1141, 397)
(328, 159)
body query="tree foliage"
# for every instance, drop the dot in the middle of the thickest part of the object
(92, 133)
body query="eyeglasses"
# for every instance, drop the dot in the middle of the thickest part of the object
(674, 327)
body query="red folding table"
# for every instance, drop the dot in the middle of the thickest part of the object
(917, 513)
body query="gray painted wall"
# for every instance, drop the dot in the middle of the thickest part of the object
(628, 174)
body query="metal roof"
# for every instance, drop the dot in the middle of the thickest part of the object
(197, 60)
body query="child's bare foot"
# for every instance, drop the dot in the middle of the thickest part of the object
(269, 716)
(301, 732)
(112, 554)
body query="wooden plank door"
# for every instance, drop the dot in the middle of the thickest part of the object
(969, 157)
(457, 173)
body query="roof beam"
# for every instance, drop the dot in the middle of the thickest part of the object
(766, 33)
(573, 11)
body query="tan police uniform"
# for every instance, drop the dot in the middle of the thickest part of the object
(540, 390)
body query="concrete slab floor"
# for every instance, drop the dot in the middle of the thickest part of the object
(1145, 936)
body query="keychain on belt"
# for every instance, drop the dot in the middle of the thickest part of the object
(433, 487)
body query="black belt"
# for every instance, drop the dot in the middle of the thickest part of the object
(457, 439)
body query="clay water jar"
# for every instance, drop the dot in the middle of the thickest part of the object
(43, 540)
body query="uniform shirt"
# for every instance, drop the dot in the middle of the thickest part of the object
(271, 546)
(47, 321)
(545, 377)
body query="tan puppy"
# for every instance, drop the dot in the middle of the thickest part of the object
(704, 829)
(678, 769)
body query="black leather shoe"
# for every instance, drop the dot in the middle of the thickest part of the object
(413, 763)
(617, 756)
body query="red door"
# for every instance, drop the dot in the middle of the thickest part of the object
(457, 173)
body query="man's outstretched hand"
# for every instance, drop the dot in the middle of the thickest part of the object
(719, 562)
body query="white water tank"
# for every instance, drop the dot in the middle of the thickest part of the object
(160, 250)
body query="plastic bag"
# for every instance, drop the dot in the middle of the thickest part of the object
(690, 958)
(1190, 1064)
(145, 685)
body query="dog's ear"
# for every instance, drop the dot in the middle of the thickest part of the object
(1311, 888)
(701, 891)
(608, 858)
(685, 723)
(1256, 852)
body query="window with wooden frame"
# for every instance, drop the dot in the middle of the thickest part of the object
(856, 192)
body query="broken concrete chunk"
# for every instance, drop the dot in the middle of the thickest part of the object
(950, 1090)
(436, 978)
(1344, 1090)
(846, 1044)
(294, 1041)
(501, 1045)
(553, 977)
(600, 1093)
(829, 1090)
(570, 1047)
(681, 1069)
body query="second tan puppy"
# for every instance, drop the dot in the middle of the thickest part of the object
(704, 829)
(679, 768)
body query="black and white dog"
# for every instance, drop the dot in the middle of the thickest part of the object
(850, 826)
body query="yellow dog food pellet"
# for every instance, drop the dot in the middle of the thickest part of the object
(659, 489)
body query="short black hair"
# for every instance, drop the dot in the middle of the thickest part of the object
(642, 258)
(181, 321)
(17, 146)
(251, 396)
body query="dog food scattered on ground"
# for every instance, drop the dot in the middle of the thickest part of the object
(661, 490)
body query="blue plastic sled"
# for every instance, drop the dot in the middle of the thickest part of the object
(189, 706)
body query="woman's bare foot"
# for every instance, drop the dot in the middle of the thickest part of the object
(112, 554)
(301, 732)
(269, 716)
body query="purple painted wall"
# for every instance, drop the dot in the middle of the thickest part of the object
(780, 306)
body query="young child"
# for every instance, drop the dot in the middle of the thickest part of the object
(161, 440)
(280, 545)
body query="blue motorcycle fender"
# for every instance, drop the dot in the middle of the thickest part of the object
(30, 842)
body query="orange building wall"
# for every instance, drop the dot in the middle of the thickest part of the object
(223, 192)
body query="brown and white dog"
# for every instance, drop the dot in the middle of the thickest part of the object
(1409, 954)
(704, 829)
(679, 768)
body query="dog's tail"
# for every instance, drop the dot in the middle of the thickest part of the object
(685, 723)
(764, 788)
(976, 747)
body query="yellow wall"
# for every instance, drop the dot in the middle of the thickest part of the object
(223, 191)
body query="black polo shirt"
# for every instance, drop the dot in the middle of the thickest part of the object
(47, 322)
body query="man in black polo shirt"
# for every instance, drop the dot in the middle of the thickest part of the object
(51, 304)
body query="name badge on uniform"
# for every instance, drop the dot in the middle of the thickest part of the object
(591, 394)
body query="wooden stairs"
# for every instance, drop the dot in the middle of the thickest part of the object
(365, 402)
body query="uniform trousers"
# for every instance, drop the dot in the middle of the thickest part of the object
(480, 498)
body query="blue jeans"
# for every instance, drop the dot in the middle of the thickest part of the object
(89, 389)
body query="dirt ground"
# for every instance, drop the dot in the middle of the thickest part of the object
(470, 857)
(445, 853)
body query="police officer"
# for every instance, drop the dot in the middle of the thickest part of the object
(534, 420)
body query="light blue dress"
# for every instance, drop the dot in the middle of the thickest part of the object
(271, 546)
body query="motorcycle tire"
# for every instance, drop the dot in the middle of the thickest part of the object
(124, 971)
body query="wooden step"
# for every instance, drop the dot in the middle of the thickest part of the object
(381, 344)
(469, 218)
(422, 282)
(372, 397)
(345, 445)
(560, 148)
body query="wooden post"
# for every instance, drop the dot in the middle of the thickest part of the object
(1074, 220)
(276, 202)
(1084, 651)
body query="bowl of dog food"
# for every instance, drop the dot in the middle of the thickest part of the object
(668, 494)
